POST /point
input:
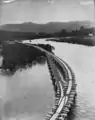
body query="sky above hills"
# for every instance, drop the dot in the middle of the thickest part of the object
(42, 11)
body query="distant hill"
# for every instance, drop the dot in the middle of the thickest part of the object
(48, 27)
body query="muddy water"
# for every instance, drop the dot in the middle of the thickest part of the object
(27, 95)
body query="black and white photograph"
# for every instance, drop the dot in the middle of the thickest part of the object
(47, 59)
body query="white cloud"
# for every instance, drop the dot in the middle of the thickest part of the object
(8, 1)
(87, 2)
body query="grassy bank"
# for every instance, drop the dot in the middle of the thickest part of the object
(88, 41)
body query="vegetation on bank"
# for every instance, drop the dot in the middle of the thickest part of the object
(46, 47)
(17, 56)
(75, 40)
(79, 34)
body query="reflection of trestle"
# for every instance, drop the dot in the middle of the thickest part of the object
(65, 89)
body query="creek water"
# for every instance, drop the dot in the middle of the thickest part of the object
(82, 61)
(80, 58)
(27, 94)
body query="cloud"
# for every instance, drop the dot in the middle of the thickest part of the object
(8, 1)
(87, 2)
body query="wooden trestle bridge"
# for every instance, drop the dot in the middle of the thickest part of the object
(64, 85)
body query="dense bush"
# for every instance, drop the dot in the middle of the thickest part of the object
(46, 47)
(76, 40)
(17, 55)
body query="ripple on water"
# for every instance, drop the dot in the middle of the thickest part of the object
(82, 61)
(28, 94)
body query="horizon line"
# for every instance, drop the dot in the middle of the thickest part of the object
(43, 23)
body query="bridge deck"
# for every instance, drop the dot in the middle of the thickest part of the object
(64, 79)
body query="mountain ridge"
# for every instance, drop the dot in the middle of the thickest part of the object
(49, 27)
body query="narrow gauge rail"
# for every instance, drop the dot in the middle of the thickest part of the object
(69, 91)
(65, 84)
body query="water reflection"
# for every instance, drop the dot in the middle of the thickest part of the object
(28, 93)
(71, 114)
(82, 61)
(17, 56)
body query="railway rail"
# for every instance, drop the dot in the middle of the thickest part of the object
(64, 84)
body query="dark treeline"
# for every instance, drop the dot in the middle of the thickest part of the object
(80, 36)
(16, 56)
(82, 32)
(75, 40)
(47, 47)
(13, 35)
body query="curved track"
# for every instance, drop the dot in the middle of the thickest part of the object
(64, 85)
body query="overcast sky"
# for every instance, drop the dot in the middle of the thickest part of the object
(42, 11)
